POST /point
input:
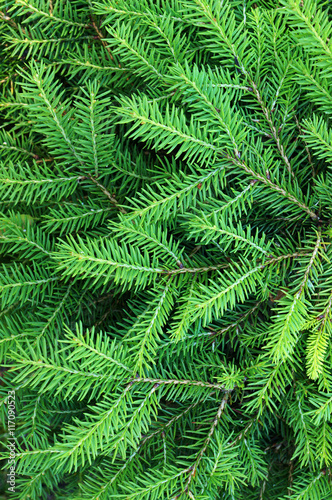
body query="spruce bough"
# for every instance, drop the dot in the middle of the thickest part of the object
(165, 229)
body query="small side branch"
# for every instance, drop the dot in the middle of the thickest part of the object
(214, 333)
(306, 147)
(274, 131)
(158, 381)
(200, 455)
(259, 177)
(225, 266)
(107, 193)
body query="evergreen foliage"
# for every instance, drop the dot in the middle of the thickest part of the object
(165, 232)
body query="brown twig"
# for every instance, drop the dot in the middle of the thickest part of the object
(101, 38)
(44, 159)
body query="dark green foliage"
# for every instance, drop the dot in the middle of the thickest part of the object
(165, 230)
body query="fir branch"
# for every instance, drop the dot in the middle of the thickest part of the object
(54, 314)
(195, 270)
(104, 489)
(194, 467)
(160, 200)
(243, 317)
(49, 15)
(284, 333)
(306, 146)
(273, 129)
(283, 192)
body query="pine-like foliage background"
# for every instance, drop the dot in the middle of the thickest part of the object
(166, 280)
